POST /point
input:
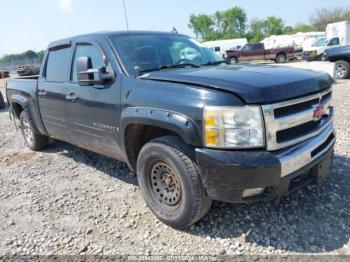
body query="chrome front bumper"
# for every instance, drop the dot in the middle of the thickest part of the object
(296, 157)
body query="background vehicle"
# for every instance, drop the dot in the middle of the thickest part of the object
(341, 57)
(27, 70)
(337, 35)
(4, 74)
(221, 46)
(258, 52)
(194, 129)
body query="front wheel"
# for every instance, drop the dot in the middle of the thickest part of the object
(33, 140)
(341, 70)
(233, 60)
(170, 182)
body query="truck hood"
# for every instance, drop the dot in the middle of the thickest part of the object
(253, 84)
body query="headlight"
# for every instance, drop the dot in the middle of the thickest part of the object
(233, 127)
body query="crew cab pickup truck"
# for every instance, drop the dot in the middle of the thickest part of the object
(193, 129)
(341, 58)
(258, 52)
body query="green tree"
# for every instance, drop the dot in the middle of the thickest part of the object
(321, 17)
(288, 30)
(256, 30)
(273, 26)
(230, 23)
(260, 29)
(234, 23)
(202, 25)
(27, 55)
(300, 27)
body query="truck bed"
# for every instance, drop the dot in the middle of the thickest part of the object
(26, 84)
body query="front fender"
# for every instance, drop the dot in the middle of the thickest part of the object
(172, 121)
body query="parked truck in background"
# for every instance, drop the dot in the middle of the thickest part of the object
(258, 52)
(337, 35)
(341, 58)
(194, 130)
(221, 46)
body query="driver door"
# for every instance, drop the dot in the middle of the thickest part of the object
(93, 110)
(247, 53)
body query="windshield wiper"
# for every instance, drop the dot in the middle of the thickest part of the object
(161, 67)
(213, 63)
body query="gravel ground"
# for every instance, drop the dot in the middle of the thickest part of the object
(66, 200)
(322, 66)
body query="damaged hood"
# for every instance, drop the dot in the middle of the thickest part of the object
(253, 84)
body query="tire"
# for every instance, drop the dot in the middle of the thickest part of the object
(233, 60)
(281, 58)
(2, 102)
(32, 139)
(341, 70)
(170, 182)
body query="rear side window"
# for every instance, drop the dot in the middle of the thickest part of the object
(86, 50)
(57, 64)
(259, 47)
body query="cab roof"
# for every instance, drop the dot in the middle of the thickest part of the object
(68, 41)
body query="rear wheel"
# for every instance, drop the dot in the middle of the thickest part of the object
(170, 182)
(341, 70)
(281, 58)
(2, 102)
(33, 140)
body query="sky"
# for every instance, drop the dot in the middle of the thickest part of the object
(32, 24)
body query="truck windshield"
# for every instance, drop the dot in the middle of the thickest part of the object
(320, 42)
(147, 52)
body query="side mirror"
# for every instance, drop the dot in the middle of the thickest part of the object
(92, 76)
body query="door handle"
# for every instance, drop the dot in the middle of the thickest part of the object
(42, 92)
(72, 97)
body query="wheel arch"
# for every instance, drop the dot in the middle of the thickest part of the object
(141, 125)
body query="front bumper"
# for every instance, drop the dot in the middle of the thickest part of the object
(227, 174)
(311, 56)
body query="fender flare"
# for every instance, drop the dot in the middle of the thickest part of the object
(177, 123)
(28, 107)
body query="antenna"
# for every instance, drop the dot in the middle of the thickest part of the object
(126, 16)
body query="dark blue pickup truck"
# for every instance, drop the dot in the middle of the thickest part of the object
(341, 58)
(194, 128)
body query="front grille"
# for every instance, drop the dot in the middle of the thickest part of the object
(291, 122)
(297, 131)
(293, 109)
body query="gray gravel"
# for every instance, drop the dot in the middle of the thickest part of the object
(67, 200)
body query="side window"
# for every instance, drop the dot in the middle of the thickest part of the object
(334, 41)
(217, 49)
(57, 65)
(259, 47)
(247, 48)
(86, 50)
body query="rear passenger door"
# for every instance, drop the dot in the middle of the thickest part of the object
(52, 92)
(94, 110)
(259, 51)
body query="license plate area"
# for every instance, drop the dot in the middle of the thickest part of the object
(323, 169)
